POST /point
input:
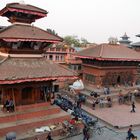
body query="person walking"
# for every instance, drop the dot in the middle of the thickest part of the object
(133, 107)
(36, 138)
(93, 105)
(130, 134)
(86, 133)
(132, 98)
(120, 98)
(49, 137)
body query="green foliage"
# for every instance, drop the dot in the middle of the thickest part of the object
(84, 41)
(75, 41)
(72, 40)
(52, 31)
(69, 40)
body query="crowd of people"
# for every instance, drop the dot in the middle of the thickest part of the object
(102, 102)
(126, 98)
(107, 99)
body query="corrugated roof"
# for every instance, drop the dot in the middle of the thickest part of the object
(110, 52)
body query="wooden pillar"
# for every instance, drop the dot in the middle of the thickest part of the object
(13, 95)
(14, 105)
(35, 95)
(2, 96)
(19, 96)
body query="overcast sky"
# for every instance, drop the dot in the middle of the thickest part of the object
(95, 20)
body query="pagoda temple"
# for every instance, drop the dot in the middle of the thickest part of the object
(125, 40)
(109, 64)
(26, 76)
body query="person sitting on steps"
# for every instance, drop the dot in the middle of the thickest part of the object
(11, 105)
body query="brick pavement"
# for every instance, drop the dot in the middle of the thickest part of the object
(118, 115)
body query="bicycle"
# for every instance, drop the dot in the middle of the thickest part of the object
(99, 130)
(73, 131)
(69, 130)
(95, 127)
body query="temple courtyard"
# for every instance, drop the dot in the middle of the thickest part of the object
(118, 115)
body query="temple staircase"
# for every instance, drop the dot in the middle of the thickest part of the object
(29, 117)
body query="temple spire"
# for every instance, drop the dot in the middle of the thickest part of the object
(125, 40)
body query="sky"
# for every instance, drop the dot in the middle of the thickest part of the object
(94, 20)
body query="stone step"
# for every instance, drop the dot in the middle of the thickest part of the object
(29, 114)
(22, 126)
(89, 100)
(42, 136)
(32, 106)
(25, 108)
(112, 89)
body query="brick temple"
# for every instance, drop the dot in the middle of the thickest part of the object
(110, 64)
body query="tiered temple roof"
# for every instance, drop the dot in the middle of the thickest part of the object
(125, 40)
(23, 32)
(14, 10)
(22, 67)
(18, 70)
(136, 44)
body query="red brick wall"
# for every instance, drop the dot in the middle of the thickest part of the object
(98, 71)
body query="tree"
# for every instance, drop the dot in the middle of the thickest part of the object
(72, 40)
(84, 41)
(52, 31)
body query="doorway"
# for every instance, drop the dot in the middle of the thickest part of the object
(56, 88)
(118, 79)
(0, 97)
(26, 95)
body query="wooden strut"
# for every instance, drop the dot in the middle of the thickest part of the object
(2, 100)
(15, 111)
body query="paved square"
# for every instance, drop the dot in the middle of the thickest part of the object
(118, 115)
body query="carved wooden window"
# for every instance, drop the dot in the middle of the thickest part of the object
(90, 78)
